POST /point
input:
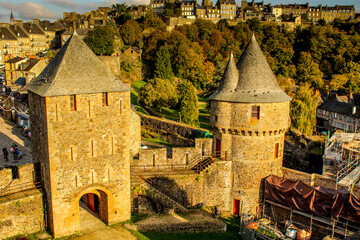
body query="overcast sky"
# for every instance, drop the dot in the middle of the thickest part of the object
(53, 9)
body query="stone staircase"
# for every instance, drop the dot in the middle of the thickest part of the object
(145, 175)
(162, 200)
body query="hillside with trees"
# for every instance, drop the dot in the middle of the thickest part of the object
(316, 57)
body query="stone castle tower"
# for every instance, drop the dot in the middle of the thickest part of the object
(249, 117)
(80, 119)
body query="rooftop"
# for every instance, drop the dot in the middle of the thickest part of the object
(251, 80)
(75, 70)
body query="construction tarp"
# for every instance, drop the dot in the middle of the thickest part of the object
(317, 200)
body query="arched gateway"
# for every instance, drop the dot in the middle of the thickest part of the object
(80, 118)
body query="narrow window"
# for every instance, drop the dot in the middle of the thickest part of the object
(153, 160)
(15, 172)
(105, 99)
(73, 102)
(276, 150)
(255, 112)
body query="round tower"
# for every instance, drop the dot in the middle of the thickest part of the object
(249, 117)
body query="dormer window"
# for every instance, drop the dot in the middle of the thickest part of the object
(73, 102)
(255, 112)
(105, 99)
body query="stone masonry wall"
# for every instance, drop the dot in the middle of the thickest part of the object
(40, 149)
(176, 133)
(135, 134)
(21, 215)
(210, 188)
(157, 157)
(26, 175)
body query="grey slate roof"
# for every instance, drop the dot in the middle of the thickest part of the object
(15, 60)
(251, 80)
(75, 70)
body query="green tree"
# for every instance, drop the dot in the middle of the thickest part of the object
(254, 24)
(163, 64)
(172, 9)
(118, 9)
(159, 93)
(308, 71)
(101, 40)
(189, 111)
(303, 110)
(131, 33)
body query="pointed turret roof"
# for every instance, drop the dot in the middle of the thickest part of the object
(251, 81)
(75, 70)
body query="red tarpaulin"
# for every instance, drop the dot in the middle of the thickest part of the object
(317, 200)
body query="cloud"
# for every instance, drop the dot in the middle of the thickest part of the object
(63, 3)
(29, 10)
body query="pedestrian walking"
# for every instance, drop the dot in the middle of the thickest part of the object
(20, 154)
(16, 154)
(6, 153)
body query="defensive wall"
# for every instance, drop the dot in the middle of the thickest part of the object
(21, 205)
(26, 175)
(176, 133)
(211, 187)
(180, 156)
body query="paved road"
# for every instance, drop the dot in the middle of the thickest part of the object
(94, 229)
(10, 133)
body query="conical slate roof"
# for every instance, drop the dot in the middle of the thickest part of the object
(251, 81)
(75, 70)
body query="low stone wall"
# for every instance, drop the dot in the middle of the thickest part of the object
(26, 175)
(22, 214)
(184, 227)
(176, 133)
(158, 157)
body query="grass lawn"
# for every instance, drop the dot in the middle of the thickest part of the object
(230, 234)
(137, 85)
(133, 100)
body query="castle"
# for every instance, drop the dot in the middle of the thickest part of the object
(87, 138)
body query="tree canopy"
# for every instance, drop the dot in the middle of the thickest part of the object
(159, 93)
(303, 109)
(189, 111)
(162, 64)
(101, 40)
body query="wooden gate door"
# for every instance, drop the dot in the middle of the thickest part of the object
(91, 201)
(218, 148)
(236, 207)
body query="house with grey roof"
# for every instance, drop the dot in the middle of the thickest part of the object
(339, 112)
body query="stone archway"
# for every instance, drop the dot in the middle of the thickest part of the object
(96, 202)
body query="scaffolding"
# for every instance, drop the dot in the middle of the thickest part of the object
(341, 159)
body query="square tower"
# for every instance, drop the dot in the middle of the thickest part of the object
(80, 119)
